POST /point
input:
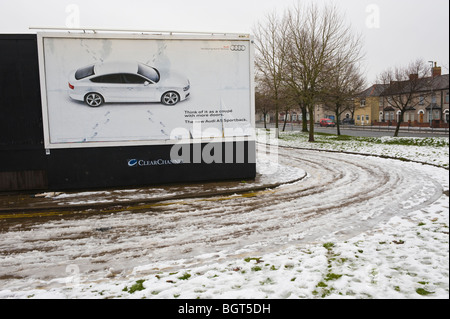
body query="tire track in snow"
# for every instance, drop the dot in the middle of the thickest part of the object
(342, 196)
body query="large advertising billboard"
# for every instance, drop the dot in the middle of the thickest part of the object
(134, 89)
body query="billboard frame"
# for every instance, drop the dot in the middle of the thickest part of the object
(144, 35)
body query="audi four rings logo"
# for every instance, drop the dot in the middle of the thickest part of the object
(237, 47)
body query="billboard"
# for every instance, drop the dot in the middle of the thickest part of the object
(138, 89)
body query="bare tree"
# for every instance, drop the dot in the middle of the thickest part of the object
(263, 102)
(270, 58)
(294, 89)
(346, 81)
(288, 102)
(320, 42)
(403, 86)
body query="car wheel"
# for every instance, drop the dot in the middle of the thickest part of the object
(94, 99)
(170, 98)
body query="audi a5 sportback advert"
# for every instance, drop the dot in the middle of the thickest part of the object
(126, 82)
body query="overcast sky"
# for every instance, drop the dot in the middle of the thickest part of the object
(396, 32)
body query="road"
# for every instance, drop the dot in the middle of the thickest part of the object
(352, 130)
(342, 196)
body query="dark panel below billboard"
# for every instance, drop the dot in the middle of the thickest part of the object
(149, 165)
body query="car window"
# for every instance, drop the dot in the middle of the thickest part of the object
(108, 78)
(148, 72)
(82, 73)
(97, 79)
(133, 79)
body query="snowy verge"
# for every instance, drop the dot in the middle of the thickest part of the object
(407, 257)
(430, 150)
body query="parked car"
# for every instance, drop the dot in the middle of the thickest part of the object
(126, 82)
(348, 121)
(326, 122)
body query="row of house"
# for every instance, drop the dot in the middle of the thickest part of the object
(429, 107)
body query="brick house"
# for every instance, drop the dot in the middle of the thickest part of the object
(429, 105)
(367, 105)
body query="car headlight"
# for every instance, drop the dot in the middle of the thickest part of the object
(187, 87)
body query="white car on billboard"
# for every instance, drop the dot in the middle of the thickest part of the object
(125, 82)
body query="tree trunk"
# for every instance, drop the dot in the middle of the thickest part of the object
(265, 121)
(400, 120)
(285, 119)
(311, 123)
(338, 119)
(304, 119)
(276, 115)
(276, 118)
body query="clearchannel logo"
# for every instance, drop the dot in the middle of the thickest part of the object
(140, 162)
(132, 162)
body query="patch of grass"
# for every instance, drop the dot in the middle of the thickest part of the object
(186, 276)
(257, 259)
(267, 281)
(333, 137)
(288, 266)
(138, 286)
(327, 292)
(423, 292)
(332, 276)
(427, 141)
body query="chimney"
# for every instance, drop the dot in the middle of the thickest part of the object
(413, 77)
(436, 70)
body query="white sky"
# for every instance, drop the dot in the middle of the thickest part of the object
(396, 32)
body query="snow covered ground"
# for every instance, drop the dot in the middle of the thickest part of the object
(403, 256)
(433, 150)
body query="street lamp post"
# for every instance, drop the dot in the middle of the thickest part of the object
(431, 96)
